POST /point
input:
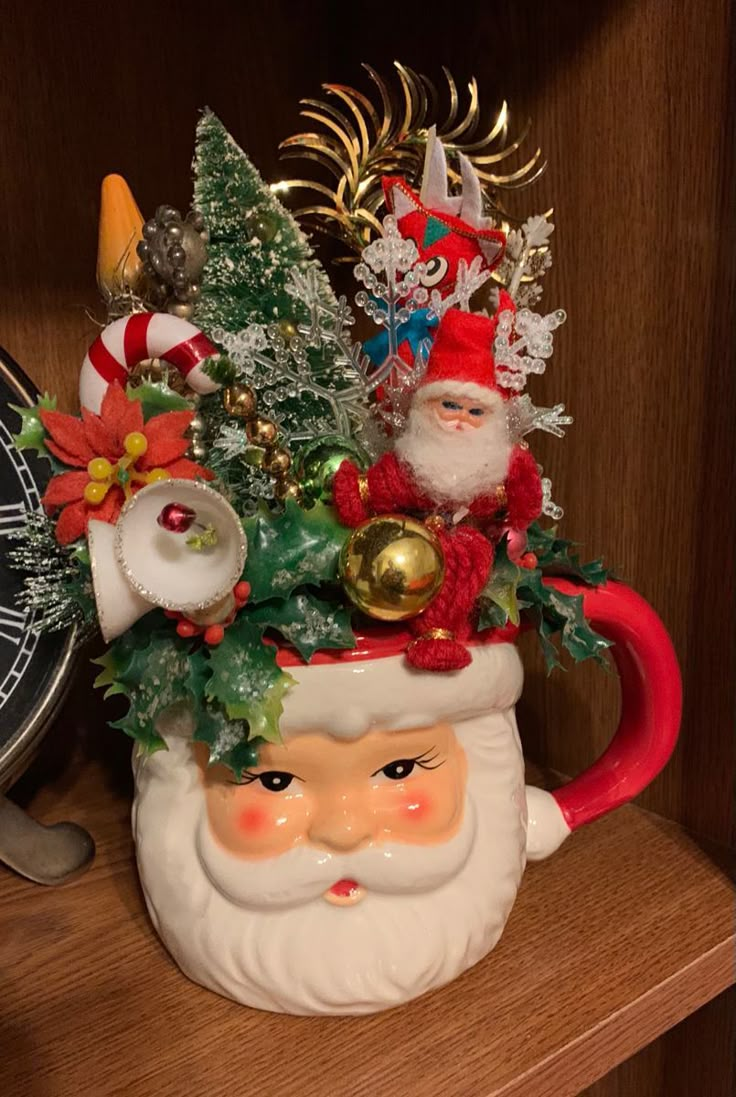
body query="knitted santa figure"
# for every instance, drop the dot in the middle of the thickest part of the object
(456, 467)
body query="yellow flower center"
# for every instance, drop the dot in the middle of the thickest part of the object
(124, 474)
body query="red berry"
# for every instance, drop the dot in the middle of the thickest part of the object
(214, 635)
(528, 561)
(187, 629)
(241, 593)
(176, 517)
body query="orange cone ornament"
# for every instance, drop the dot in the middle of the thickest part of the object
(121, 224)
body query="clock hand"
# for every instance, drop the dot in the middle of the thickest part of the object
(45, 854)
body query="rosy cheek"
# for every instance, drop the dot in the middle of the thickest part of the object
(253, 820)
(416, 808)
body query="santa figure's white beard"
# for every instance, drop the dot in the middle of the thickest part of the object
(455, 466)
(427, 916)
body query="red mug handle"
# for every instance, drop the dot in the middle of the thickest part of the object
(651, 702)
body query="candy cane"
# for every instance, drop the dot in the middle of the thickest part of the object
(132, 339)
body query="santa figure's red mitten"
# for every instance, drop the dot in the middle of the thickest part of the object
(347, 495)
(443, 626)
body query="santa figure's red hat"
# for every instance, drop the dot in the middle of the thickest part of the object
(461, 358)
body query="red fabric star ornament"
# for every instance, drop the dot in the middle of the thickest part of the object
(116, 454)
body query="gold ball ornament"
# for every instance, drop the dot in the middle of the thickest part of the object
(392, 567)
(197, 450)
(262, 224)
(261, 432)
(240, 401)
(287, 328)
(283, 491)
(277, 462)
(183, 309)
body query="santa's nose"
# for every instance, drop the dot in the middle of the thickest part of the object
(339, 828)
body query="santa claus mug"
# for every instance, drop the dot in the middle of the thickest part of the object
(375, 854)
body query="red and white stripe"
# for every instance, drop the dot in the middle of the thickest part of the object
(132, 339)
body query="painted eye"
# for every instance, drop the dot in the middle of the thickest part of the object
(275, 781)
(435, 272)
(477, 412)
(451, 405)
(397, 771)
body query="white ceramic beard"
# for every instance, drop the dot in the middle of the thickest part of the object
(314, 957)
(455, 467)
(242, 929)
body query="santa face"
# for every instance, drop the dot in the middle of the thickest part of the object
(338, 807)
(456, 442)
(454, 413)
(348, 873)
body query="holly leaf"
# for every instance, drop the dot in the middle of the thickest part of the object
(555, 612)
(156, 397)
(32, 434)
(499, 597)
(546, 630)
(491, 616)
(555, 556)
(307, 622)
(227, 740)
(244, 755)
(290, 549)
(246, 680)
(153, 669)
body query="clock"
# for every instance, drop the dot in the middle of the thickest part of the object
(35, 669)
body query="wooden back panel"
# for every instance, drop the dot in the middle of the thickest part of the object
(628, 103)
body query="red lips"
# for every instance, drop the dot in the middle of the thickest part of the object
(344, 888)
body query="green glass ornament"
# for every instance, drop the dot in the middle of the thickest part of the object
(263, 225)
(318, 461)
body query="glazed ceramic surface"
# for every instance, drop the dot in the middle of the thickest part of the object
(376, 853)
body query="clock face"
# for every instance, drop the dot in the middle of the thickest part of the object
(34, 668)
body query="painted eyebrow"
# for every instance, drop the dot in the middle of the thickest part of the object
(430, 755)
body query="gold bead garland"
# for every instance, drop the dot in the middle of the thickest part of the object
(241, 402)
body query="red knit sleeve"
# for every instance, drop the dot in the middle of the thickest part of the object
(523, 489)
(387, 487)
(390, 487)
(351, 509)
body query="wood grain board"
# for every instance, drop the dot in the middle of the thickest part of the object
(593, 965)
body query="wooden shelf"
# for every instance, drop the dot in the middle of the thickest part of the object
(622, 934)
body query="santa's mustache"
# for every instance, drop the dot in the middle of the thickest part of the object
(304, 873)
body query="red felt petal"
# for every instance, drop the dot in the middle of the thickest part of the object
(65, 457)
(170, 424)
(162, 452)
(66, 488)
(68, 433)
(184, 469)
(109, 508)
(120, 415)
(72, 523)
(101, 441)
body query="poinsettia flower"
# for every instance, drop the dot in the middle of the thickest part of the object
(124, 463)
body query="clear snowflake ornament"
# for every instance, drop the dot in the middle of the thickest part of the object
(523, 343)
